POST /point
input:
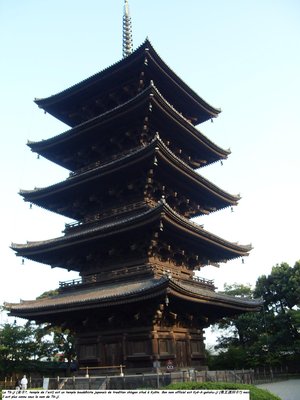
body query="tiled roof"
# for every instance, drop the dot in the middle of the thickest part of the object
(118, 293)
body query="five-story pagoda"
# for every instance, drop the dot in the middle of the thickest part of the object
(132, 150)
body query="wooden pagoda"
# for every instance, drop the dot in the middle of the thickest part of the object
(132, 151)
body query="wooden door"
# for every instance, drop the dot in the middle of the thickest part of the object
(113, 354)
(181, 353)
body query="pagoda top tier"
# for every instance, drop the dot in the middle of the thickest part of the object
(122, 81)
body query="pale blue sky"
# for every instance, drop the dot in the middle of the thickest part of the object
(241, 56)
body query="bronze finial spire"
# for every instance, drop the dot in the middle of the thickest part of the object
(127, 31)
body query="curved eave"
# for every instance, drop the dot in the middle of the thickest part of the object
(183, 168)
(187, 125)
(190, 228)
(97, 297)
(52, 103)
(149, 218)
(181, 85)
(195, 294)
(152, 94)
(157, 147)
(85, 235)
(80, 129)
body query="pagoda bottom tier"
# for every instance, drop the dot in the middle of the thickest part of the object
(147, 329)
(154, 322)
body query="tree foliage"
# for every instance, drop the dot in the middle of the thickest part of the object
(269, 337)
(20, 345)
(281, 289)
(63, 344)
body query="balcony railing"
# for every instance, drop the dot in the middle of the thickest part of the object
(130, 271)
(207, 283)
(109, 212)
(105, 276)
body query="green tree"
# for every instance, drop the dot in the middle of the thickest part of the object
(18, 344)
(22, 345)
(63, 343)
(281, 293)
(239, 335)
(268, 337)
(280, 289)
